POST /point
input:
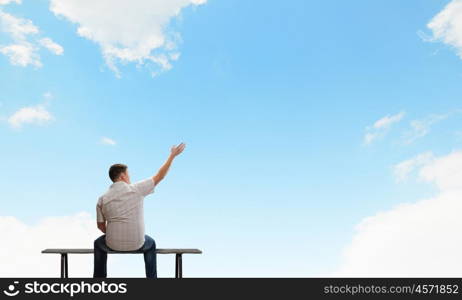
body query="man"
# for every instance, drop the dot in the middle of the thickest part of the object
(119, 214)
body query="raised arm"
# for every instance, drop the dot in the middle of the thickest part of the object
(174, 152)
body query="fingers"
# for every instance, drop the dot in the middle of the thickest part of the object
(180, 148)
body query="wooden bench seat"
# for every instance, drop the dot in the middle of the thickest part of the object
(64, 256)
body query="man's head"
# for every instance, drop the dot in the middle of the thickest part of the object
(119, 172)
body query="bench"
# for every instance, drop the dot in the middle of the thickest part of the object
(178, 257)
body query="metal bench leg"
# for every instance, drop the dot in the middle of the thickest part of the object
(66, 273)
(64, 266)
(178, 266)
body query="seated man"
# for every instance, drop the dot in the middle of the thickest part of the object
(120, 216)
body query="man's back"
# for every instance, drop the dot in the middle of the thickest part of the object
(122, 207)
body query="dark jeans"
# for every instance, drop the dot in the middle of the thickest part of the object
(100, 256)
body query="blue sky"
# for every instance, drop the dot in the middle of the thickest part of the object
(273, 100)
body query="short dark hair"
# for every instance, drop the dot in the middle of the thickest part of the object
(115, 171)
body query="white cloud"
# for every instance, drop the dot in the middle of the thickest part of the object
(22, 54)
(48, 95)
(22, 243)
(20, 253)
(387, 121)
(4, 2)
(18, 28)
(52, 46)
(381, 126)
(413, 239)
(370, 137)
(445, 173)
(108, 141)
(30, 115)
(420, 128)
(23, 49)
(446, 26)
(403, 169)
(127, 31)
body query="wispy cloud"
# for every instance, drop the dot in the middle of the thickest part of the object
(48, 96)
(37, 115)
(23, 48)
(387, 121)
(21, 54)
(420, 128)
(381, 127)
(403, 169)
(52, 46)
(108, 141)
(4, 2)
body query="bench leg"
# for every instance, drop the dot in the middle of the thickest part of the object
(66, 273)
(178, 266)
(64, 266)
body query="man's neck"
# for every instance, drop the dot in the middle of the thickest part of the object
(117, 181)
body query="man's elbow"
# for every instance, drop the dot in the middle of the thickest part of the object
(158, 178)
(102, 226)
